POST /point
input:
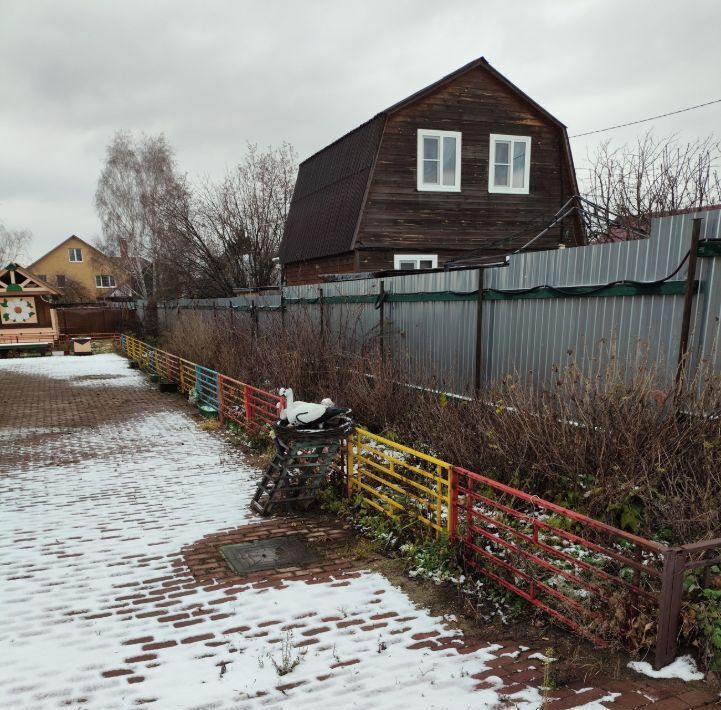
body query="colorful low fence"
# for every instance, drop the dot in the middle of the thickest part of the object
(594, 578)
(234, 401)
(600, 581)
(398, 480)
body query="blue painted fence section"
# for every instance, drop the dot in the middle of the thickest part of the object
(206, 386)
(123, 345)
(151, 361)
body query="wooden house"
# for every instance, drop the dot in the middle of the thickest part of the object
(26, 314)
(468, 165)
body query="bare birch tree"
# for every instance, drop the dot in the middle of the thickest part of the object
(138, 178)
(226, 235)
(655, 175)
(14, 245)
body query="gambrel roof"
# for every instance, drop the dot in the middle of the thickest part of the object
(332, 185)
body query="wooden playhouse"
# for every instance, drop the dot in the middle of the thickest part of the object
(26, 313)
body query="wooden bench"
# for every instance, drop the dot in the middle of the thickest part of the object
(42, 348)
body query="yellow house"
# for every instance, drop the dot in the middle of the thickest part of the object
(79, 270)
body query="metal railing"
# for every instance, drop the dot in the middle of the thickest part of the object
(206, 387)
(398, 480)
(233, 400)
(598, 580)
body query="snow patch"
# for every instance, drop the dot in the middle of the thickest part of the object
(683, 668)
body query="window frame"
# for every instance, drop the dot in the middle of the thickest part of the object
(503, 189)
(71, 250)
(398, 258)
(61, 278)
(100, 277)
(421, 186)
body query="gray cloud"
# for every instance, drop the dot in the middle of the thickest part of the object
(215, 74)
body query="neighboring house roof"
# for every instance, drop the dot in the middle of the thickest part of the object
(630, 227)
(333, 183)
(124, 291)
(65, 241)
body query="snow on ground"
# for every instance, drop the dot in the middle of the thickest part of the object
(102, 483)
(105, 509)
(683, 668)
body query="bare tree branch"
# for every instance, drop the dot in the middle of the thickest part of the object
(14, 245)
(655, 176)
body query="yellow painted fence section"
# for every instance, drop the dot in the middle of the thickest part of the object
(398, 480)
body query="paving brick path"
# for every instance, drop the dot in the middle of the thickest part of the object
(113, 504)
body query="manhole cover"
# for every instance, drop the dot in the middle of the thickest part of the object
(273, 553)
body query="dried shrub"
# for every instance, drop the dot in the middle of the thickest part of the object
(605, 440)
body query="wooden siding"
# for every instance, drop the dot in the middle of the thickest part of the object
(399, 217)
(309, 272)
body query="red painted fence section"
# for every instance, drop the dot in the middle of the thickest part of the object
(247, 405)
(604, 583)
(594, 578)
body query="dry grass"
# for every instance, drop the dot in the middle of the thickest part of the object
(611, 444)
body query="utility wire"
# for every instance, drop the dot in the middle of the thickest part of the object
(645, 120)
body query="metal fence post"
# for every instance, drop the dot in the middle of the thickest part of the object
(322, 313)
(478, 371)
(669, 606)
(349, 465)
(381, 319)
(682, 366)
(254, 317)
(453, 506)
(221, 399)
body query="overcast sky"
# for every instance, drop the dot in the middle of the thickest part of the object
(213, 75)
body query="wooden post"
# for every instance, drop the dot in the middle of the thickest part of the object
(478, 371)
(688, 301)
(282, 312)
(669, 607)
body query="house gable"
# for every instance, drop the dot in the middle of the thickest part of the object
(25, 305)
(360, 179)
(80, 277)
(476, 104)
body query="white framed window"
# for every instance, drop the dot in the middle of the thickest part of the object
(439, 161)
(75, 254)
(105, 281)
(415, 262)
(510, 164)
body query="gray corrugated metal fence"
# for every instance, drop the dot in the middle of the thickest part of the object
(434, 332)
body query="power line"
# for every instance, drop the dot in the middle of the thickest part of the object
(645, 120)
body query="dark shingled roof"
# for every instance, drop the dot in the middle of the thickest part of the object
(329, 193)
(331, 185)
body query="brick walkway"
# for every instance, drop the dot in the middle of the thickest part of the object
(113, 505)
